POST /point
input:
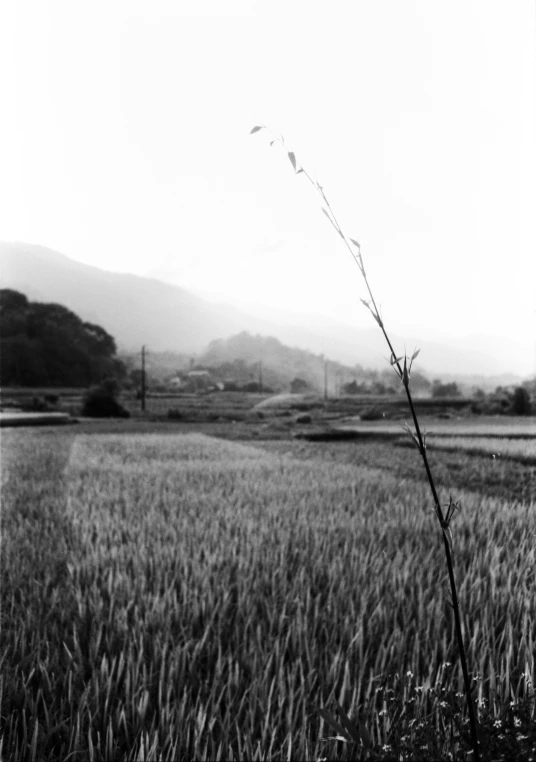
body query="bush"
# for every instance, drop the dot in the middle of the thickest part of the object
(101, 402)
(521, 402)
(299, 386)
(440, 389)
(372, 414)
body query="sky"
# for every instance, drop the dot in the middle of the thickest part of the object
(124, 143)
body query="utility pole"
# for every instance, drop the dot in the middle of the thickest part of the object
(325, 379)
(260, 375)
(143, 384)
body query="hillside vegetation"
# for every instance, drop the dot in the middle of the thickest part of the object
(281, 364)
(48, 345)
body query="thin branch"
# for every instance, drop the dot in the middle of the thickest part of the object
(403, 372)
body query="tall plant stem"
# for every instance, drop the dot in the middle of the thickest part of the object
(403, 372)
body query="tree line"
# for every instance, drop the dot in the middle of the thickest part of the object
(48, 345)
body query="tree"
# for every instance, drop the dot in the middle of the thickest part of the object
(440, 389)
(48, 345)
(299, 386)
(521, 402)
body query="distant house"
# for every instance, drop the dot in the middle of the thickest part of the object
(195, 381)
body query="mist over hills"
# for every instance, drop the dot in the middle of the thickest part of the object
(138, 310)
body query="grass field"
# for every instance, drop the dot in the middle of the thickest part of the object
(522, 450)
(178, 596)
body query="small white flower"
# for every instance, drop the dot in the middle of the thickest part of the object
(497, 724)
(517, 722)
(386, 747)
(409, 674)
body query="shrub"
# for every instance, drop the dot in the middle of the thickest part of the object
(440, 389)
(101, 402)
(372, 414)
(521, 402)
(299, 386)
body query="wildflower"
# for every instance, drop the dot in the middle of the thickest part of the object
(386, 747)
(409, 674)
(517, 722)
(497, 724)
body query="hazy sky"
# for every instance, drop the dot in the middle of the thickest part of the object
(124, 144)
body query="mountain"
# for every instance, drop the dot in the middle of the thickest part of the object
(137, 310)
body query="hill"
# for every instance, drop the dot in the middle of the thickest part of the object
(281, 364)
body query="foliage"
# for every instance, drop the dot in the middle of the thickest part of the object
(521, 404)
(449, 389)
(101, 402)
(237, 359)
(48, 345)
(505, 400)
(373, 413)
(180, 597)
(299, 386)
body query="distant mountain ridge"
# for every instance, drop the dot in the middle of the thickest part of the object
(135, 310)
(164, 317)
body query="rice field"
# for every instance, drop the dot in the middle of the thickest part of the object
(185, 597)
(523, 450)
